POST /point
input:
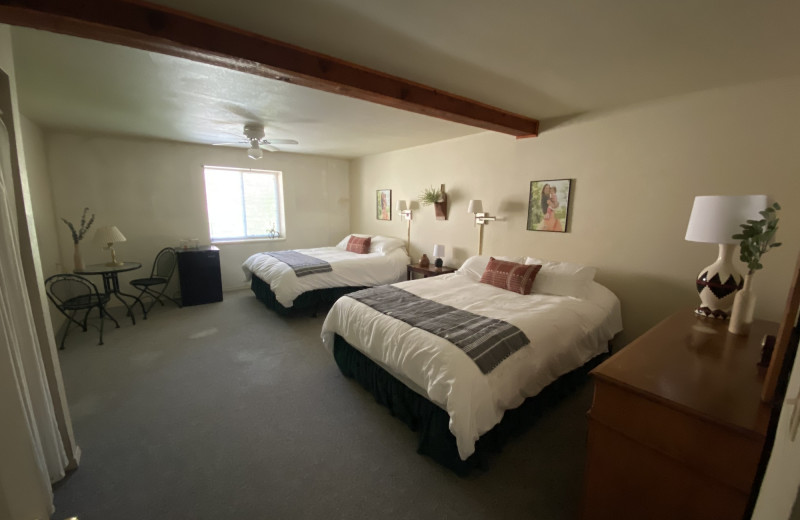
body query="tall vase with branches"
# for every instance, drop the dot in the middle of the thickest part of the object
(757, 237)
(77, 235)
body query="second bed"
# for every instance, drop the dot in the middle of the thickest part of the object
(277, 285)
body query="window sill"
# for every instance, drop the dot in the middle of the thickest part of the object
(246, 241)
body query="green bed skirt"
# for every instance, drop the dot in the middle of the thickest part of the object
(432, 423)
(308, 301)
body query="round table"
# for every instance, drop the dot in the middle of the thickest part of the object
(110, 274)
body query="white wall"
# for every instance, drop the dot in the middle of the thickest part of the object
(779, 496)
(154, 192)
(636, 172)
(41, 197)
(24, 497)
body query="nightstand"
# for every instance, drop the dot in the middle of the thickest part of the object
(427, 272)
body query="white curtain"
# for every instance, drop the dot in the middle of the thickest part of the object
(19, 345)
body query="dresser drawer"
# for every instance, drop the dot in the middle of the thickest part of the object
(630, 481)
(719, 452)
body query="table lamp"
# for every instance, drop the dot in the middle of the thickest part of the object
(107, 236)
(438, 253)
(715, 219)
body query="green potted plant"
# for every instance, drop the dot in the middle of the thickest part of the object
(430, 196)
(438, 198)
(756, 238)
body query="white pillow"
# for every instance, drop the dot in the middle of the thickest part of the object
(562, 278)
(381, 244)
(474, 266)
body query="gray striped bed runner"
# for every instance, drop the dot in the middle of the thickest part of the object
(487, 341)
(302, 265)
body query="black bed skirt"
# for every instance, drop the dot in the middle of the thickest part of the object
(432, 423)
(308, 301)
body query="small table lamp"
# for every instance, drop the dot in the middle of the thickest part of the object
(715, 219)
(438, 253)
(107, 236)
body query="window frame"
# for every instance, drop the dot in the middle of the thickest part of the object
(281, 224)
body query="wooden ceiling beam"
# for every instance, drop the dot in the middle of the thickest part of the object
(156, 28)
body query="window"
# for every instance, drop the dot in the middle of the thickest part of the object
(244, 204)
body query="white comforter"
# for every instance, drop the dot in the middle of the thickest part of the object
(349, 270)
(564, 332)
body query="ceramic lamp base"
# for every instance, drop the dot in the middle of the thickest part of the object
(717, 285)
(114, 261)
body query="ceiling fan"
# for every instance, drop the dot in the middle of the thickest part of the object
(254, 136)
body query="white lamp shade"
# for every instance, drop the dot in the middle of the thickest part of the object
(438, 251)
(401, 205)
(108, 235)
(716, 218)
(475, 206)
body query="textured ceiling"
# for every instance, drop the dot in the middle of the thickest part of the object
(540, 58)
(76, 84)
(547, 59)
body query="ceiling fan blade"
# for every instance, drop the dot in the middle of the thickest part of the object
(280, 141)
(239, 143)
(268, 147)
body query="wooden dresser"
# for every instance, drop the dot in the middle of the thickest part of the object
(677, 425)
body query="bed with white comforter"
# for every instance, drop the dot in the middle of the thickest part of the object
(564, 332)
(385, 263)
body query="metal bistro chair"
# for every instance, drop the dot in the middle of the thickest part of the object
(71, 293)
(163, 268)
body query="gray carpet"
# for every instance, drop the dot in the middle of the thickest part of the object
(227, 410)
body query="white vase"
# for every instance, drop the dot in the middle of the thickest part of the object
(77, 259)
(744, 306)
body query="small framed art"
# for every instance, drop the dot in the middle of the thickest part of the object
(383, 204)
(548, 205)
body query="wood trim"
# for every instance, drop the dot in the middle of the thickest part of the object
(440, 208)
(784, 337)
(156, 28)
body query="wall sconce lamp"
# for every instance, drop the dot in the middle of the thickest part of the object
(107, 236)
(476, 208)
(402, 208)
(405, 212)
(481, 218)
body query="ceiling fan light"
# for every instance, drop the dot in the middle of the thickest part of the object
(255, 153)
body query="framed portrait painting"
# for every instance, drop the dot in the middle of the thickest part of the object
(383, 204)
(548, 205)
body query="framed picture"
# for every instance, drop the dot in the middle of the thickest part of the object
(383, 204)
(548, 205)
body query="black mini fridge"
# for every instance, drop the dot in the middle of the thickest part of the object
(200, 277)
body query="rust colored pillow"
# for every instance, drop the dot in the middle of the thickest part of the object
(510, 276)
(359, 245)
